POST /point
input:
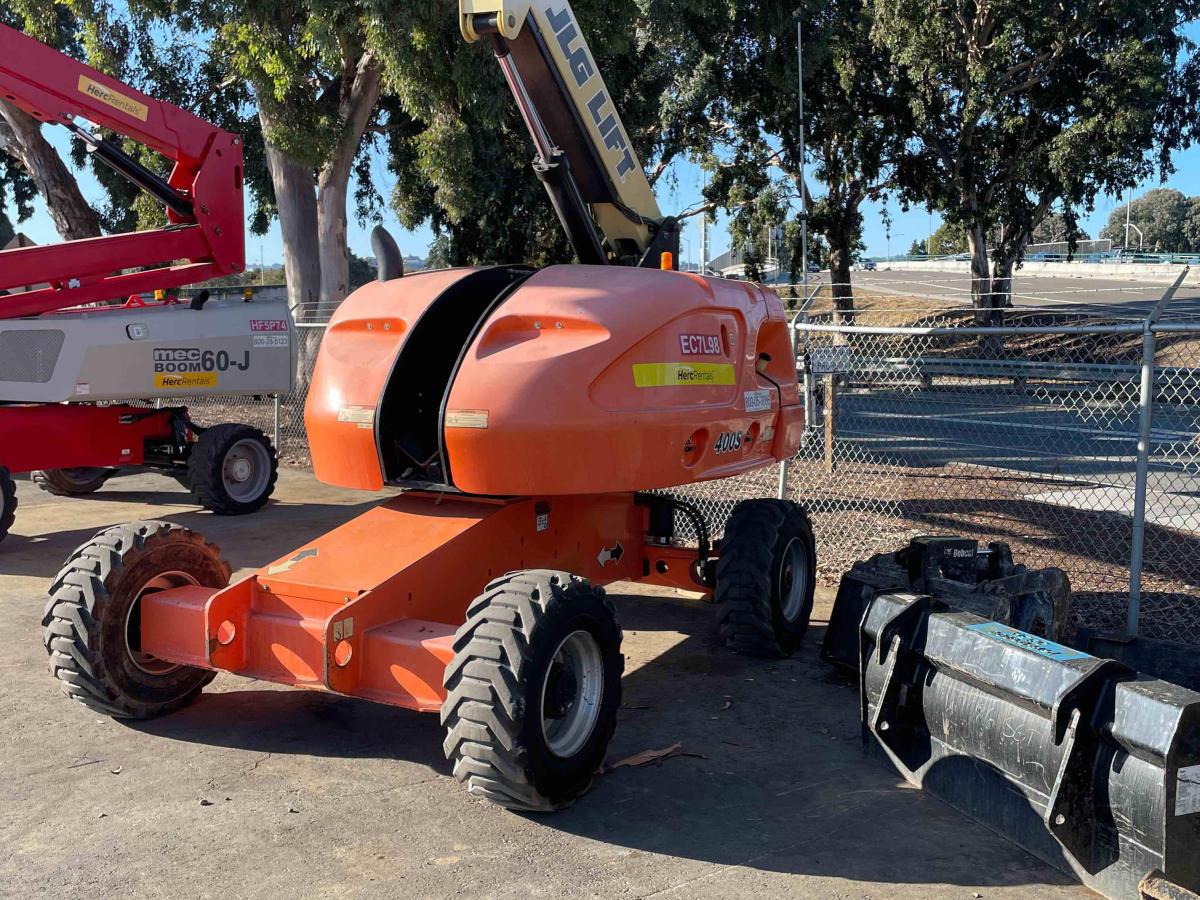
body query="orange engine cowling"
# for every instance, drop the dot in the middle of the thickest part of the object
(567, 380)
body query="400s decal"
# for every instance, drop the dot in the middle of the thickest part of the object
(191, 359)
(727, 442)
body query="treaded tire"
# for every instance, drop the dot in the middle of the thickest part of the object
(206, 476)
(493, 712)
(8, 502)
(71, 482)
(761, 536)
(87, 625)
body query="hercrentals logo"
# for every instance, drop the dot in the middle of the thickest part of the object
(600, 107)
(646, 375)
(185, 382)
(109, 97)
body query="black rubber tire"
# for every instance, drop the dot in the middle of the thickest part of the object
(85, 624)
(750, 609)
(206, 467)
(71, 482)
(492, 711)
(8, 502)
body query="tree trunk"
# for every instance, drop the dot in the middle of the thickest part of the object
(360, 92)
(72, 215)
(839, 274)
(1002, 275)
(332, 233)
(981, 277)
(296, 204)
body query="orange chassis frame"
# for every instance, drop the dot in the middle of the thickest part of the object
(370, 609)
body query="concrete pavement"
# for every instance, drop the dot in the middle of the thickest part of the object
(256, 791)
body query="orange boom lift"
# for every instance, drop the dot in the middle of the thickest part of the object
(525, 414)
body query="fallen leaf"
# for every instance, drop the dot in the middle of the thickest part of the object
(117, 770)
(205, 802)
(649, 756)
(728, 705)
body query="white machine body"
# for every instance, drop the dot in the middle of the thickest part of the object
(141, 352)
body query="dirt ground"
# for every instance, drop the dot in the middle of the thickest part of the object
(262, 792)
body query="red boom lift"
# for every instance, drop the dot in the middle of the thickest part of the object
(65, 367)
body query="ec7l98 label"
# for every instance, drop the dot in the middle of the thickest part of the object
(700, 345)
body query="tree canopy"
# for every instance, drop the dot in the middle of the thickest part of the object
(1015, 107)
(1169, 222)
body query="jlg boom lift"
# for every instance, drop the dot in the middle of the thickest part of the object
(524, 413)
(66, 367)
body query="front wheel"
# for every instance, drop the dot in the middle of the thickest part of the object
(766, 577)
(533, 690)
(232, 469)
(8, 502)
(71, 482)
(92, 624)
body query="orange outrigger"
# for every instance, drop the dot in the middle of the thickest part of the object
(531, 419)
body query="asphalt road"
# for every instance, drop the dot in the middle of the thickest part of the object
(255, 791)
(1092, 443)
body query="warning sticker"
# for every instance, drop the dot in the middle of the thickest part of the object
(109, 97)
(270, 340)
(466, 418)
(1187, 792)
(758, 401)
(647, 375)
(362, 416)
(186, 380)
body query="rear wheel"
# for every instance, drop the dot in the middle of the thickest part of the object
(8, 502)
(766, 576)
(92, 624)
(232, 469)
(533, 690)
(71, 482)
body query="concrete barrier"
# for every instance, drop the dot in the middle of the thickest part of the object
(1153, 273)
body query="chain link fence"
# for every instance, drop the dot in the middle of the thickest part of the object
(920, 421)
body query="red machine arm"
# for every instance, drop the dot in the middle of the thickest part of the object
(203, 194)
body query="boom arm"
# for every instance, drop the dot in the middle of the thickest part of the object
(584, 156)
(203, 194)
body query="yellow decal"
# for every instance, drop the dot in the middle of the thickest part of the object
(109, 97)
(167, 382)
(466, 418)
(682, 374)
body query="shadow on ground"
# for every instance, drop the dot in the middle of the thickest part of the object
(777, 780)
(251, 540)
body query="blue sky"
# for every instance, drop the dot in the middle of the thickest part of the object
(675, 194)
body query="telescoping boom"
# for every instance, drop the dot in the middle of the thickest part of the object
(584, 156)
(205, 236)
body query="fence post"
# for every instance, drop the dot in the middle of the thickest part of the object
(781, 490)
(1137, 548)
(278, 446)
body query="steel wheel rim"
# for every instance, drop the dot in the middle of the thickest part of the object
(793, 578)
(151, 665)
(246, 470)
(571, 693)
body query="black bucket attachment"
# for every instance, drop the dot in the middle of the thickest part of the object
(1171, 661)
(1079, 760)
(956, 571)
